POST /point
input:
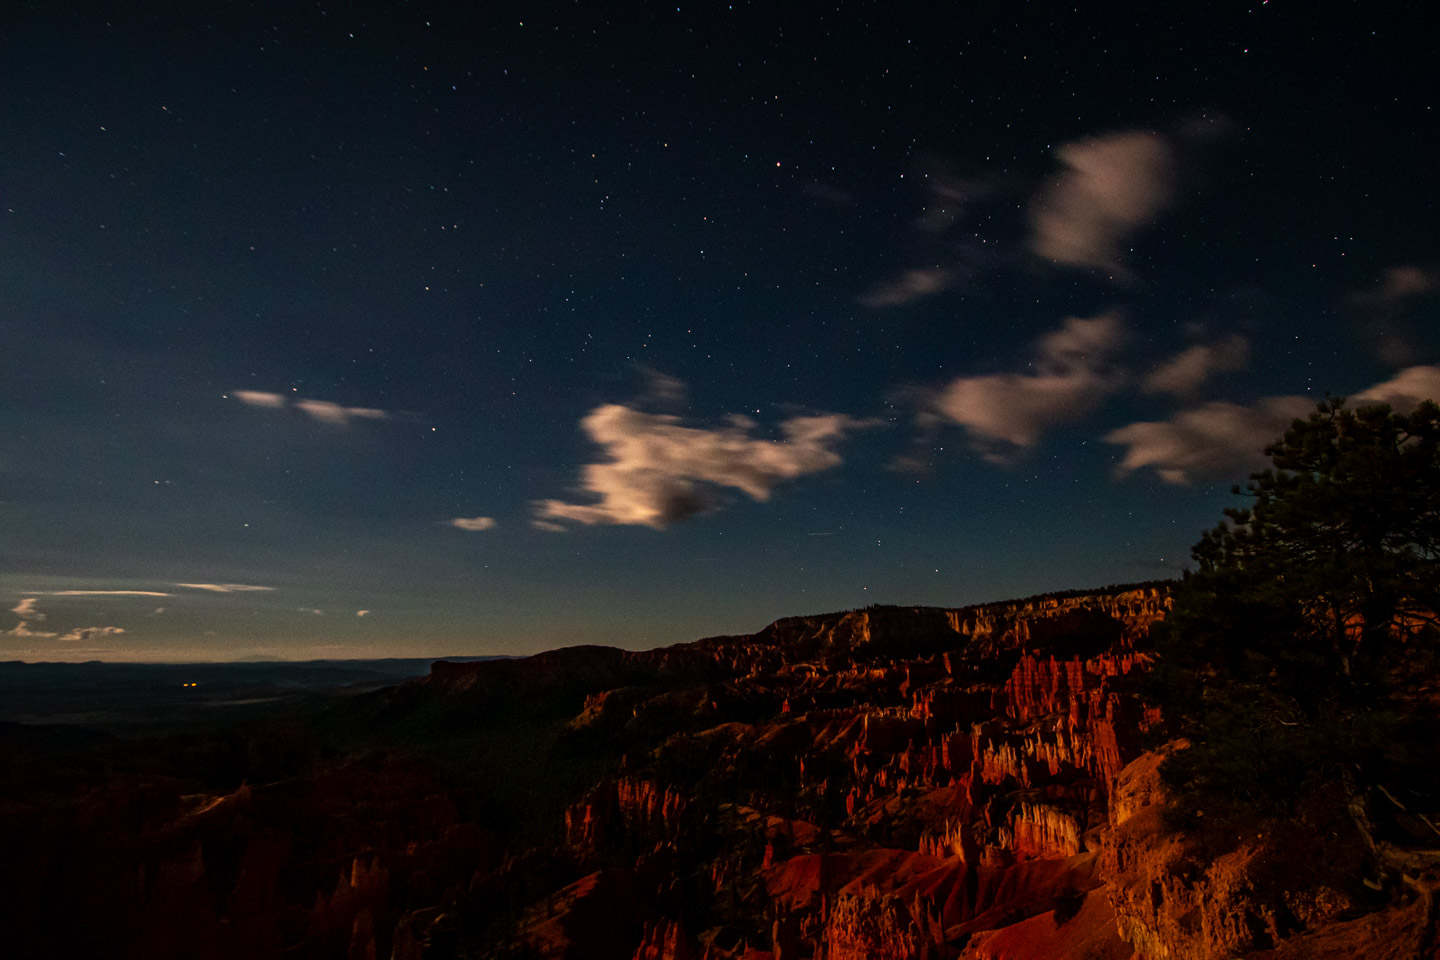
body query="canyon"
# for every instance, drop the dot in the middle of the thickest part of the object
(892, 782)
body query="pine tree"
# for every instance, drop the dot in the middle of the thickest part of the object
(1303, 645)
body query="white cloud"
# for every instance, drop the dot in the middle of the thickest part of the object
(912, 285)
(1188, 370)
(105, 593)
(22, 629)
(660, 471)
(1217, 438)
(1228, 439)
(323, 411)
(224, 587)
(259, 398)
(25, 610)
(1111, 187)
(473, 524)
(1404, 391)
(336, 415)
(664, 388)
(91, 633)
(27, 613)
(1006, 413)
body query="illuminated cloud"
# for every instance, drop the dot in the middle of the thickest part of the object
(362, 613)
(1226, 439)
(27, 613)
(224, 587)
(473, 524)
(25, 610)
(912, 285)
(91, 633)
(105, 593)
(1404, 391)
(1006, 413)
(22, 629)
(1218, 439)
(323, 411)
(660, 471)
(259, 398)
(1111, 187)
(336, 415)
(1188, 370)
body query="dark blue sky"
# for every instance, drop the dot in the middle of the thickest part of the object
(1007, 297)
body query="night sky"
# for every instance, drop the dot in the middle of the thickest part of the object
(359, 329)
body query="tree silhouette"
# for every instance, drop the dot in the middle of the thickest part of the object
(1303, 645)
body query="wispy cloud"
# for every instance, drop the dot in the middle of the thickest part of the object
(27, 613)
(663, 388)
(910, 286)
(25, 610)
(323, 411)
(1405, 390)
(90, 633)
(22, 629)
(1225, 439)
(1218, 438)
(1387, 315)
(660, 471)
(473, 524)
(259, 398)
(1188, 370)
(1006, 413)
(1398, 284)
(224, 588)
(1110, 187)
(105, 593)
(335, 414)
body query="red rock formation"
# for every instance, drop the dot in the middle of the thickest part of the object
(663, 940)
(890, 782)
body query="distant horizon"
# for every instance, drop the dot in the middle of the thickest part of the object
(264, 658)
(248, 661)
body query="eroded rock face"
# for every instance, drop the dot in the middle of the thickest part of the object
(1234, 889)
(892, 782)
(931, 783)
(884, 783)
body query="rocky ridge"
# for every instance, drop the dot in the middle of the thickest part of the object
(893, 782)
(912, 782)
